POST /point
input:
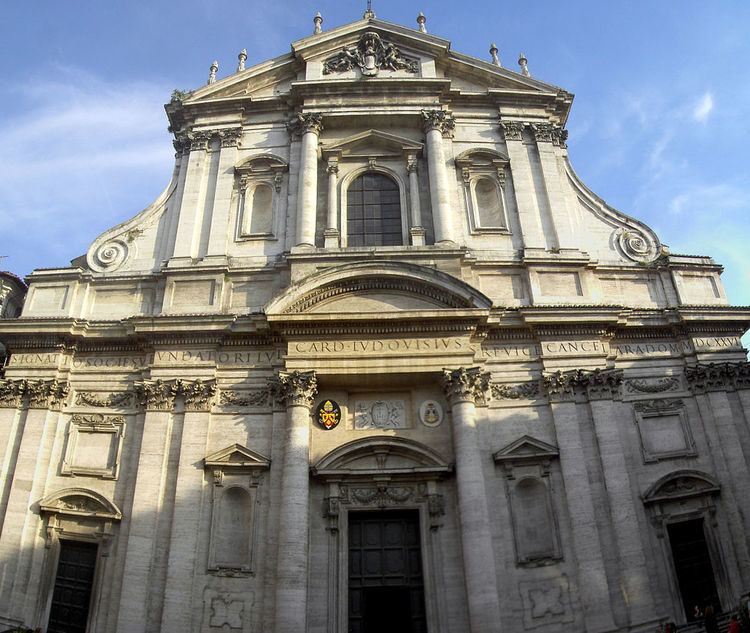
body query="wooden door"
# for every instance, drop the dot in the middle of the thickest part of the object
(73, 584)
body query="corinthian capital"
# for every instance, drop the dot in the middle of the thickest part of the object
(155, 395)
(198, 394)
(47, 394)
(438, 120)
(466, 384)
(512, 130)
(295, 388)
(306, 122)
(12, 392)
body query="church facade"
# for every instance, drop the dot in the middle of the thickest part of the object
(376, 359)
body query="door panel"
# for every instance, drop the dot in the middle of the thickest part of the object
(386, 592)
(73, 584)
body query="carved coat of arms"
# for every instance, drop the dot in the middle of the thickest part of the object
(370, 55)
(329, 414)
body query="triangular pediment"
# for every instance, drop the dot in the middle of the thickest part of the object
(372, 143)
(526, 448)
(236, 456)
(276, 76)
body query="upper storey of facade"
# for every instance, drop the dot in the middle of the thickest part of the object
(371, 143)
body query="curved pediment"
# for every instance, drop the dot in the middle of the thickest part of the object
(381, 456)
(682, 484)
(80, 502)
(377, 287)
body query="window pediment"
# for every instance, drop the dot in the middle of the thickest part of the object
(80, 502)
(236, 456)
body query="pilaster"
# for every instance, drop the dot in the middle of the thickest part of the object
(563, 390)
(528, 213)
(186, 522)
(193, 195)
(221, 208)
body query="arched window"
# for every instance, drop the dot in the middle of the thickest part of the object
(373, 211)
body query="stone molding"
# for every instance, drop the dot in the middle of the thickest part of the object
(439, 120)
(718, 377)
(295, 388)
(522, 391)
(466, 384)
(250, 398)
(660, 385)
(160, 395)
(599, 384)
(37, 394)
(102, 401)
(305, 122)
(370, 55)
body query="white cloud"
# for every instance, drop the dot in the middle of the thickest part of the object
(704, 108)
(79, 154)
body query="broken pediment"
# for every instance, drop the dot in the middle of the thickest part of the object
(372, 144)
(236, 456)
(381, 456)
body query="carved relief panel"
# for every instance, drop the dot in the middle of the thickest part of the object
(94, 445)
(663, 430)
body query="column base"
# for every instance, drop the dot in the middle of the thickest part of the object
(331, 237)
(417, 235)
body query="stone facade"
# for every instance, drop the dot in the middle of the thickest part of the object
(528, 371)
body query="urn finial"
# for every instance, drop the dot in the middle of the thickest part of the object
(494, 53)
(524, 64)
(422, 21)
(318, 22)
(241, 59)
(212, 72)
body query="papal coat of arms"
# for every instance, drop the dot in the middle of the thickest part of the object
(329, 414)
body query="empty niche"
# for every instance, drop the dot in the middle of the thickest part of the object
(489, 204)
(527, 463)
(237, 474)
(259, 205)
(232, 539)
(534, 527)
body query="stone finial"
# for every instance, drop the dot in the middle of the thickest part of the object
(494, 53)
(369, 14)
(241, 59)
(524, 64)
(318, 22)
(422, 21)
(212, 72)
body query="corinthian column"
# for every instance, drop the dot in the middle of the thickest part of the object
(308, 126)
(436, 124)
(462, 388)
(296, 391)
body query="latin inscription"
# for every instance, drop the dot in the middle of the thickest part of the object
(378, 346)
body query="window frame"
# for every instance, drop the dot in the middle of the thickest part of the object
(483, 164)
(347, 181)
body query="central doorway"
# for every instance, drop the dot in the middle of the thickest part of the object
(386, 589)
(692, 562)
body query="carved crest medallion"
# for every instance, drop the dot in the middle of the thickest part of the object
(430, 413)
(370, 55)
(329, 414)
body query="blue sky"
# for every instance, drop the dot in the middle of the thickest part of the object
(659, 128)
